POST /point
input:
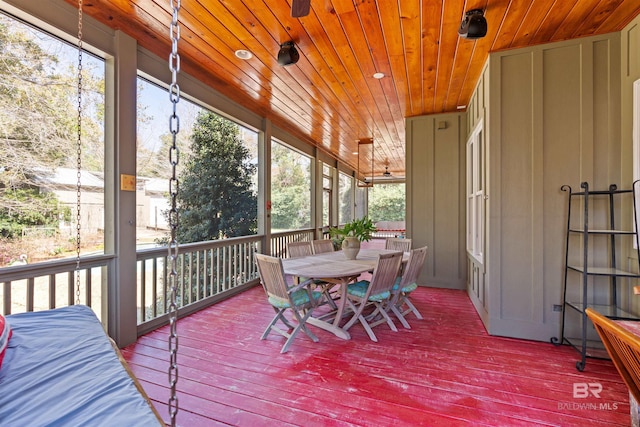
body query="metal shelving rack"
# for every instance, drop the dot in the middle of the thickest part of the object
(585, 346)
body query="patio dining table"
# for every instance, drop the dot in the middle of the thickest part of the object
(334, 267)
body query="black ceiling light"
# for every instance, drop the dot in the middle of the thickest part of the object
(288, 54)
(474, 25)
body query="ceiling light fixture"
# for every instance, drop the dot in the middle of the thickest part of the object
(244, 54)
(288, 54)
(378, 75)
(473, 25)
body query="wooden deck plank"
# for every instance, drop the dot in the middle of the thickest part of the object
(446, 371)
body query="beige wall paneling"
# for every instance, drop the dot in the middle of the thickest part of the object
(551, 123)
(435, 196)
(630, 72)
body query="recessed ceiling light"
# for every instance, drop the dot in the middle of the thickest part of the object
(378, 75)
(244, 54)
(355, 153)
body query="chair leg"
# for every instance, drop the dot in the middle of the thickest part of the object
(327, 296)
(367, 328)
(380, 307)
(357, 311)
(279, 315)
(301, 326)
(400, 317)
(412, 307)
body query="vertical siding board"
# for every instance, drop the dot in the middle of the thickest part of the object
(517, 170)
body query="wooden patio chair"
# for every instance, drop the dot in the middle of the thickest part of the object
(397, 244)
(300, 299)
(405, 285)
(376, 292)
(321, 246)
(298, 249)
(623, 347)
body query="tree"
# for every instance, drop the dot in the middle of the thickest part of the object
(215, 199)
(38, 129)
(290, 189)
(387, 202)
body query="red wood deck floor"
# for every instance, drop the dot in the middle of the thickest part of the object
(445, 371)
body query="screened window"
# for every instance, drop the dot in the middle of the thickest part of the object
(217, 171)
(290, 189)
(387, 202)
(475, 194)
(346, 198)
(38, 166)
(327, 180)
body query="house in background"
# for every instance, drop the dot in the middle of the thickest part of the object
(152, 204)
(63, 182)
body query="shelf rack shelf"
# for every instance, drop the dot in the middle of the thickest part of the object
(590, 240)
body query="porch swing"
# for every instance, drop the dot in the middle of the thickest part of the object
(60, 367)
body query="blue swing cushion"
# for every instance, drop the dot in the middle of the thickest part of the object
(5, 334)
(359, 289)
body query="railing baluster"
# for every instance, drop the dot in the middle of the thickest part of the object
(154, 287)
(88, 282)
(52, 291)
(143, 289)
(218, 271)
(6, 294)
(212, 290)
(71, 288)
(30, 293)
(199, 286)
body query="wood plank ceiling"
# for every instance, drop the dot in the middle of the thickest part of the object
(329, 98)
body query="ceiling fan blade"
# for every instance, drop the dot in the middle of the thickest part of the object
(300, 8)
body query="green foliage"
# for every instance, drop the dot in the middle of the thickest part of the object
(38, 100)
(28, 208)
(290, 189)
(346, 197)
(215, 198)
(387, 202)
(362, 228)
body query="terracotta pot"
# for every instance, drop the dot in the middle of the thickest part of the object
(351, 247)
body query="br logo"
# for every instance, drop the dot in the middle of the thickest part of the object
(583, 390)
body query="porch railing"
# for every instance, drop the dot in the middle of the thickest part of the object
(52, 284)
(280, 240)
(209, 271)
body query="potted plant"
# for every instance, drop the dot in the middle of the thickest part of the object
(349, 236)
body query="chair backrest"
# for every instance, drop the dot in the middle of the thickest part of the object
(320, 246)
(396, 244)
(385, 272)
(298, 249)
(272, 275)
(414, 266)
(623, 348)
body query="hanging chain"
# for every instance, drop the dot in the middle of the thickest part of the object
(174, 128)
(79, 152)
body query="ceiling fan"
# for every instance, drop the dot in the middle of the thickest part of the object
(386, 172)
(300, 8)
